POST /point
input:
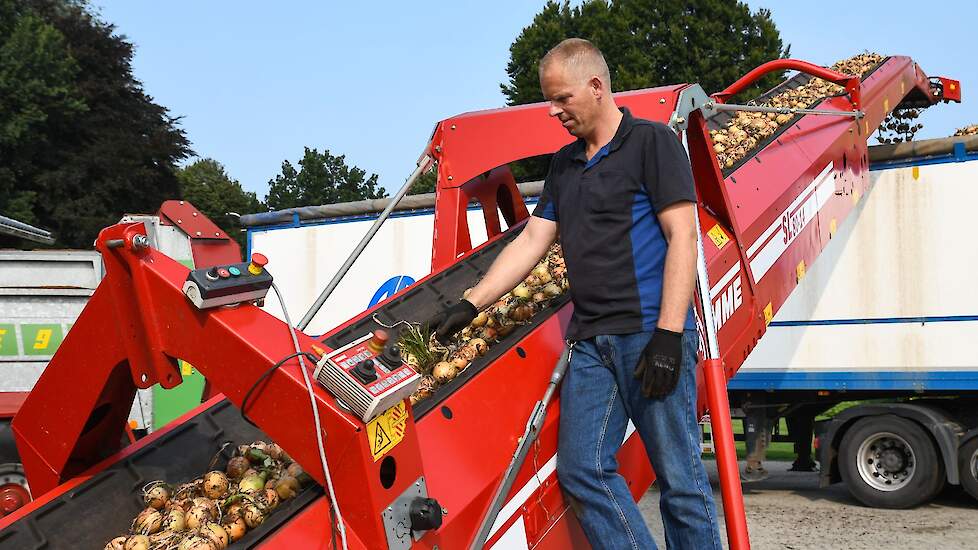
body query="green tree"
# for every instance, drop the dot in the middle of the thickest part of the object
(85, 144)
(322, 178)
(425, 184)
(37, 88)
(205, 183)
(651, 43)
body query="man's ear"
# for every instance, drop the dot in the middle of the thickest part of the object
(597, 87)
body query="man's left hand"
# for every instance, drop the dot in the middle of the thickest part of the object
(660, 363)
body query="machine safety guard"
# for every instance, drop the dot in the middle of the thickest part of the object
(761, 223)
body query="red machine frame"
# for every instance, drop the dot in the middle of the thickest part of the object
(126, 335)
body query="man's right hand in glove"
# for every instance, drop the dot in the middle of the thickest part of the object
(452, 320)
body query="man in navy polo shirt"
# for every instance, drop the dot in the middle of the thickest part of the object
(621, 198)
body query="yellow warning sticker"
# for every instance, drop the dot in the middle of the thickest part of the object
(718, 236)
(886, 106)
(915, 172)
(768, 314)
(833, 227)
(186, 369)
(800, 270)
(387, 430)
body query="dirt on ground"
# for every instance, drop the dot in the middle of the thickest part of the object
(789, 511)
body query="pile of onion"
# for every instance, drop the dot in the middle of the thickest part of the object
(971, 130)
(746, 129)
(546, 282)
(218, 508)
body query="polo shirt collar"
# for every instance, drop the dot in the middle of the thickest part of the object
(624, 127)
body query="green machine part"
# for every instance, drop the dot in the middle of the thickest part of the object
(170, 404)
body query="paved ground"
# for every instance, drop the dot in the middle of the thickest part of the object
(789, 511)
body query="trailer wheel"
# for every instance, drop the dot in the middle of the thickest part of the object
(890, 462)
(968, 466)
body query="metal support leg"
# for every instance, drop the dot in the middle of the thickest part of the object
(723, 440)
(716, 396)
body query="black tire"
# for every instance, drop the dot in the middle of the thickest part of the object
(967, 464)
(900, 467)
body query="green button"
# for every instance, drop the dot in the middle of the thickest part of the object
(234, 271)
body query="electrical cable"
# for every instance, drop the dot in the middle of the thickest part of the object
(266, 374)
(315, 416)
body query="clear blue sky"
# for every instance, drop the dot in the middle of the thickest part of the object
(256, 82)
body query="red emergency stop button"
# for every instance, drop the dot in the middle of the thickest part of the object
(379, 340)
(258, 261)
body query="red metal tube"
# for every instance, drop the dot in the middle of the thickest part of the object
(850, 82)
(723, 441)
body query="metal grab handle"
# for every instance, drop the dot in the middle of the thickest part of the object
(851, 83)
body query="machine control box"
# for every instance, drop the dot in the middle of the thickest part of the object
(228, 284)
(367, 375)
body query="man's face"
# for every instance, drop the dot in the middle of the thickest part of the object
(573, 100)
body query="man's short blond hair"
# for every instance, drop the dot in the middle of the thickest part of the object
(580, 58)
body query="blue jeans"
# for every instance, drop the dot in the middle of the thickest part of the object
(598, 396)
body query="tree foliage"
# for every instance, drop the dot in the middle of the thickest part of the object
(425, 184)
(322, 178)
(651, 43)
(81, 143)
(207, 186)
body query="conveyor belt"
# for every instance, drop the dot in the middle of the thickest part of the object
(102, 507)
(720, 119)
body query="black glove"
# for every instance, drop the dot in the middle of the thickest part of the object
(660, 363)
(452, 320)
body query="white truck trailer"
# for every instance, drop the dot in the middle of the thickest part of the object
(889, 317)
